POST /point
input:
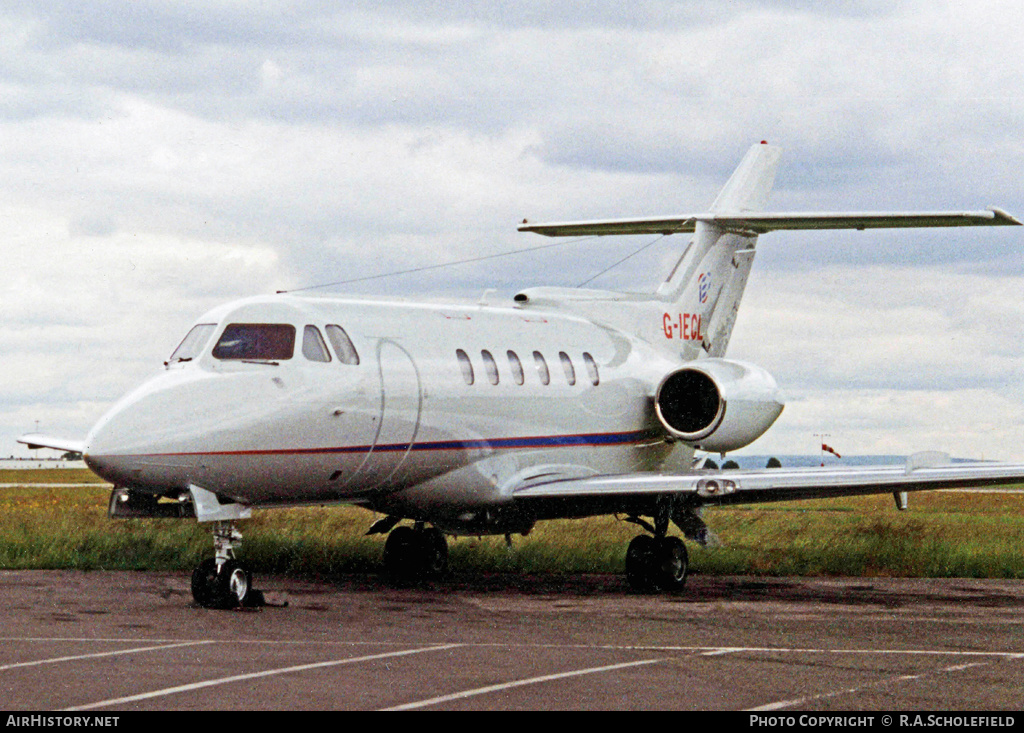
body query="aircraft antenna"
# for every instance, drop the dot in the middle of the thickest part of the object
(629, 256)
(444, 264)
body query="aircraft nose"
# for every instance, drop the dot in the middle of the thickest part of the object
(186, 425)
(134, 443)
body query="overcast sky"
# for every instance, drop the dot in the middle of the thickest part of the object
(158, 158)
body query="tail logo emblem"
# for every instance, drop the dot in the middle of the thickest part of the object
(703, 286)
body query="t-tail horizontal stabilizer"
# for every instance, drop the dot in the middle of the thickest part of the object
(739, 208)
(760, 223)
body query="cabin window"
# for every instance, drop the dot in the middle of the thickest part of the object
(491, 366)
(466, 365)
(342, 344)
(570, 372)
(595, 378)
(313, 346)
(193, 343)
(542, 368)
(257, 341)
(517, 367)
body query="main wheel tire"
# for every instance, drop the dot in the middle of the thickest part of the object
(671, 565)
(401, 554)
(411, 555)
(435, 553)
(640, 558)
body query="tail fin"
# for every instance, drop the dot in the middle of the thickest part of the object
(748, 187)
(710, 276)
(695, 307)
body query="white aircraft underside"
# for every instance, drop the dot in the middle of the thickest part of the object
(477, 418)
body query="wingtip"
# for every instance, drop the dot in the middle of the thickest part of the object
(1005, 218)
(35, 441)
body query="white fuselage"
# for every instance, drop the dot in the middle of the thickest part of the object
(407, 429)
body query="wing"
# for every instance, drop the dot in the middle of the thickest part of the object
(758, 223)
(38, 440)
(928, 471)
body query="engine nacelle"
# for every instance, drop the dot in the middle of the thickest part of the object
(718, 405)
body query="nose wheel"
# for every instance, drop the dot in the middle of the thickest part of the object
(222, 581)
(414, 554)
(228, 586)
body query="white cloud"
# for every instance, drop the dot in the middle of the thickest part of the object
(905, 358)
(966, 423)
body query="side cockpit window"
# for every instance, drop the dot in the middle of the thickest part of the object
(313, 346)
(256, 341)
(342, 344)
(193, 343)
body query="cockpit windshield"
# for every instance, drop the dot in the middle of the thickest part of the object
(193, 343)
(257, 341)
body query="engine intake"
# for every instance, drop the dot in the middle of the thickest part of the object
(718, 405)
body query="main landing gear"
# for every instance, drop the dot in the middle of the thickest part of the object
(415, 553)
(222, 581)
(658, 562)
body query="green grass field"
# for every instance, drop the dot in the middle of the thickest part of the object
(944, 534)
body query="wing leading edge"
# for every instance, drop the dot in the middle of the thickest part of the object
(760, 223)
(734, 486)
(38, 440)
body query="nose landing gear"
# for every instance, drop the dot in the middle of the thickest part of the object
(228, 586)
(222, 581)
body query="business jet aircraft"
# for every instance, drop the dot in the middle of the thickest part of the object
(470, 419)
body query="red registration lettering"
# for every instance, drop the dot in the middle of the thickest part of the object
(684, 326)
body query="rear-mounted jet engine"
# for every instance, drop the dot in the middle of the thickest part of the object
(718, 405)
